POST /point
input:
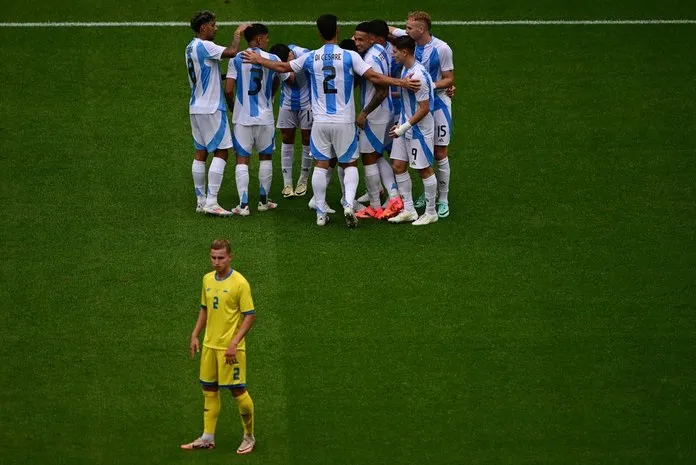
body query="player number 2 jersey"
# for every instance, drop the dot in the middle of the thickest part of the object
(203, 64)
(225, 301)
(331, 75)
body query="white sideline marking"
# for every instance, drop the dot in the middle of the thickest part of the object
(344, 23)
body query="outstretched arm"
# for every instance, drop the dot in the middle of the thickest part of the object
(255, 58)
(383, 80)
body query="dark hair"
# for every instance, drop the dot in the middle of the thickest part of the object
(405, 43)
(201, 18)
(348, 44)
(256, 29)
(282, 51)
(364, 27)
(379, 28)
(328, 26)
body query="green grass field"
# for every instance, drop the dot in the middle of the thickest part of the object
(550, 319)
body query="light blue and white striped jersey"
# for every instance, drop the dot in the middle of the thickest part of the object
(395, 72)
(332, 72)
(253, 103)
(436, 57)
(295, 96)
(203, 63)
(409, 102)
(376, 56)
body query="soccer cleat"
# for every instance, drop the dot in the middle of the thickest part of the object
(396, 203)
(322, 220)
(199, 443)
(351, 219)
(420, 202)
(442, 209)
(313, 206)
(247, 444)
(288, 191)
(425, 218)
(216, 210)
(200, 207)
(238, 210)
(404, 217)
(301, 189)
(370, 212)
(364, 198)
(393, 208)
(264, 207)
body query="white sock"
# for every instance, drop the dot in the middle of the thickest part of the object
(208, 437)
(198, 172)
(265, 178)
(442, 172)
(341, 176)
(430, 188)
(372, 183)
(215, 173)
(404, 182)
(287, 152)
(350, 181)
(306, 164)
(241, 175)
(319, 187)
(387, 174)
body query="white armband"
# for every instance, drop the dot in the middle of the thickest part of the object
(401, 130)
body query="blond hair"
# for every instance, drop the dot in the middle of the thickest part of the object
(219, 244)
(422, 16)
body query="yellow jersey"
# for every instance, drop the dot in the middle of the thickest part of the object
(226, 301)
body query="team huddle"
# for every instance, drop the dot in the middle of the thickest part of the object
(405, 79)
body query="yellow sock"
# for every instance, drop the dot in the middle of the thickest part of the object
(246, 410)
(211, 411)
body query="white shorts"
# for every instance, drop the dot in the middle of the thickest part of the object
(443, 123)
(291, 119)
(334, 140)
(211, 132)
(374, 137)
(259, 137)
(417, 152)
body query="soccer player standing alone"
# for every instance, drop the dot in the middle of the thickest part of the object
(227, 314)
(211, 133)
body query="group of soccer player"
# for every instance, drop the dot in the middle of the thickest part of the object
(405, 79)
